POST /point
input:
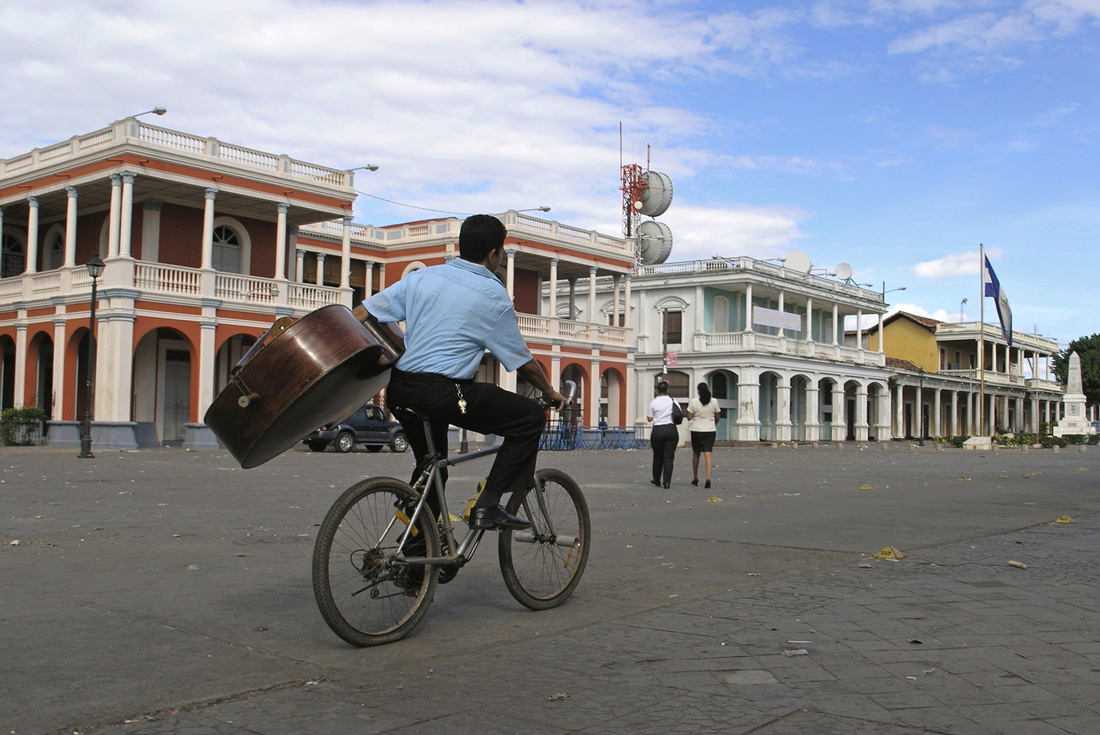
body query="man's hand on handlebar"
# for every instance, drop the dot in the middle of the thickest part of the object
(553, 399)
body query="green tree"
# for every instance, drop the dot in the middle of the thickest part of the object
(1088, 349)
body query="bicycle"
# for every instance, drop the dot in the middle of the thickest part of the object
(378, 556)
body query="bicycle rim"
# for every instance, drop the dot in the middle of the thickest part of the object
(363, 596)
(541, 570)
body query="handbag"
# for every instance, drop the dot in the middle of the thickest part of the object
(677, 412)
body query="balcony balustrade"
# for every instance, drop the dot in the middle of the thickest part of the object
(153, 280)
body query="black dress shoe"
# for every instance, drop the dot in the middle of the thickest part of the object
(665, 486)
(655, 482)
(488, 518)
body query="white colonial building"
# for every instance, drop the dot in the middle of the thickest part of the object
(768, 340)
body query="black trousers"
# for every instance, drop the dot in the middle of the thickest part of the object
(663, 439)
(489, 410)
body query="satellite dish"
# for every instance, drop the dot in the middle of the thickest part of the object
(798, 261)
(654, 242)
(656, 193)
(844, 271)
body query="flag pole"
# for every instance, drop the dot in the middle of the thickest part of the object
(981, 339)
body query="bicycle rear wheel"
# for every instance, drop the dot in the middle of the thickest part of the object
(364, 593)
(543, 565)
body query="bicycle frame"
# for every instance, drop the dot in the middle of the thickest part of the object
(431, 480)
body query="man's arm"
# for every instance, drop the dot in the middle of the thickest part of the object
(533, 374)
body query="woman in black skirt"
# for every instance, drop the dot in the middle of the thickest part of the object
(704, 413)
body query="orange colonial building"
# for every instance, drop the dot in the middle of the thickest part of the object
(206, 244)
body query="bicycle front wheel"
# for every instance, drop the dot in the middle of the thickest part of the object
(543, 565)
(366, 594)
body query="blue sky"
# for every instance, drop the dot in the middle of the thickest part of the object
(893, 136)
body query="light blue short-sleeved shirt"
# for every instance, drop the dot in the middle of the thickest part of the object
(452, 314)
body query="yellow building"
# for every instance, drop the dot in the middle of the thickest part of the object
(949, 369)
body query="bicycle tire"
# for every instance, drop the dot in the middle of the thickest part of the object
(540, 573)
(362, 597)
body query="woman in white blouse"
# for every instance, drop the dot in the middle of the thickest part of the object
(704, 414)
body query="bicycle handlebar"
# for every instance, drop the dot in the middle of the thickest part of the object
(569, 394)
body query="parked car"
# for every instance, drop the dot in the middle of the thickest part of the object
(367, 426)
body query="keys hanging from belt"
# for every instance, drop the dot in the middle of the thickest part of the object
(461, 399)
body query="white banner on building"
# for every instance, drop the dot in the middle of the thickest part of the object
(778, 319)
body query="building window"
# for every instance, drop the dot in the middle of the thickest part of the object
(226, 256)
(55, 250)
(673, 321)
(13, 257)
(721, 315)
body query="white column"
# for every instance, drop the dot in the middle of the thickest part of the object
(32, 235)
(859, 328)
(368, 287)
(840, 418)
(899, 412)
(21, 364)
(280, 241)
(510, 273)
(937, 418)
(747, 426)
(345, 254)
(70, 237)
(883, 431)
(813, 410)
(591, 294)
(782, 332)
(207, 333)
(881, 334)
(783, 409)
(150, 230)
(861, 424)
(748, 308)
(59, 382)
(319, 277)
(208, 229)
(953, 429)
(299, 263)
(626, 302)
(572, 299)
(114, 365)
(553, 289)
(113, 224)
(808, 326)
(126, 218)
(836, 328)
(615, 311)
(918, 417)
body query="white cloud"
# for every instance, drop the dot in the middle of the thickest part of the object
(941, 315)
(732, 230)
(952, 266)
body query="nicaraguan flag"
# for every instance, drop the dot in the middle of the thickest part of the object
(993, 289)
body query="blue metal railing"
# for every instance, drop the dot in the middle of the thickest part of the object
(559, 437)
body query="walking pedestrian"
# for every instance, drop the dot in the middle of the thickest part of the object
(664, 437)
(704, 412)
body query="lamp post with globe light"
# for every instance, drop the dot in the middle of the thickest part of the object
(95, 270)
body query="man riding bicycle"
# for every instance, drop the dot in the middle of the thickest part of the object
(453, 313)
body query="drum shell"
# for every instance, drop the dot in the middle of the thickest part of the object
(320, 370)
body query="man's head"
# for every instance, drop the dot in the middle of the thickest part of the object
(662, 388)
(480, 235)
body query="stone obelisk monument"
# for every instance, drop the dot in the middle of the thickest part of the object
(1074, 401)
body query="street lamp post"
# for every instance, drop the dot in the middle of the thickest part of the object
(95, 270)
